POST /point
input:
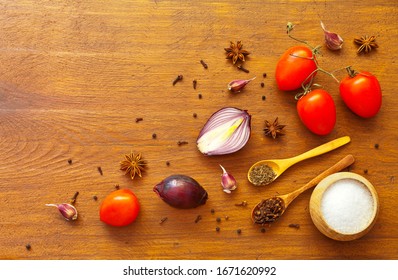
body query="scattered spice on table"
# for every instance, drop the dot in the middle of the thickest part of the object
(262, 84)
(168, 163)
(200, 96)
(217, 229)
(204, 64)
(376, 146)
(198, 218)
(212, 211)
(28, 247)
(239, 231)
(264, 75)
(218, 220)
(262, 230)
(137, 120)
(181, 142)
(297, 226)
(235, 52)
(100, 170)
(262, 174)
(177, 79)
(226, 218)
(268, 210)
(273, 129)
(263, 97)
(162, 220)
(240, 67)
(154, 136)
(133, 164)
(73, 199)
(70, 161)
(95, 198)
(243, 203)
(194, 83)
(194, 115)
(366, 43)
(365, 171)
(117, 187)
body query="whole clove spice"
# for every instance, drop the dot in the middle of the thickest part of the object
(162, 220)
(195, 115)
(154, 136)
(180, 143)
(73, 199)
(28, 247)
(239, 231)
(95, 197)
(198, 218)
(100, 170)
(204, 64)
(218, 220)
(263, 97)
(200, 96)
(261, 175)
(297, 226)
(70, 161)
(240, 67)
(262, 84)
(194, 83)
(243, 203)
(137, 120)
(217, 229)
(268, 210)
(177, 79)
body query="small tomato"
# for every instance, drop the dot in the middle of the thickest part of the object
(361, 93)
(317, 111)
(119, 208)
(294, 67)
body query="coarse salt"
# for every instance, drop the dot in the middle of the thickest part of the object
(347, 206)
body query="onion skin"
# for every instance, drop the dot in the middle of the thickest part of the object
(181, 191)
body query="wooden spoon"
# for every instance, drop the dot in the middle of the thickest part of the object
(280, 165)
(283, 201)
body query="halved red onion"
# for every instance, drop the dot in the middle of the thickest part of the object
(226, 132)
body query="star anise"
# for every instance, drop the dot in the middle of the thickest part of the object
(133, 164)
(235, 52)
(366, 43)
(273, 129)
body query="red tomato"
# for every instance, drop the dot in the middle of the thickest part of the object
(317, 111)
(294, 67)
(362, 94)
(119, 208)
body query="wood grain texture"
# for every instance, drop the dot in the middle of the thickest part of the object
(74, 76)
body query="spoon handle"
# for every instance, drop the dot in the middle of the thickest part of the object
(345, 162)
(327, 147)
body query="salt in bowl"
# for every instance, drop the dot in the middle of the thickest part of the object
(344, 206)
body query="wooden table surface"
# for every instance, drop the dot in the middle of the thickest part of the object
(75, 75)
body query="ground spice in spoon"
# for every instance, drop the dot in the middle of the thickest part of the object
(261, 175)
(268, 210)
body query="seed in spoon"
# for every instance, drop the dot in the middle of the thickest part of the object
(268, 210)
(261, 175)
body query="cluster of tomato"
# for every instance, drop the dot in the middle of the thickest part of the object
(361, 91)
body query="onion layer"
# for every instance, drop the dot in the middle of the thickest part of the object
(226, 132)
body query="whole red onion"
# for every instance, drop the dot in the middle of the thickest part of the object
(181, 191)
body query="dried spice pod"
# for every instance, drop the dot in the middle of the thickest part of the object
(181, 191)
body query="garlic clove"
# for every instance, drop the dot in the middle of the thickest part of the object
(228, 181)
(67, 210)
(238, 85)
(333, 41)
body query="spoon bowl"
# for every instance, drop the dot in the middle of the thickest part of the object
(269, 210)
(265, 172)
